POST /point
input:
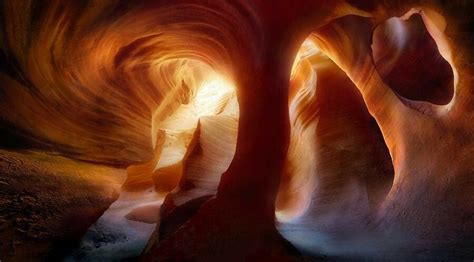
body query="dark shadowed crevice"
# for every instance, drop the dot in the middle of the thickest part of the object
(409, 62)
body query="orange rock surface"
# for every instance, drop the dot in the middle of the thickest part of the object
(273, 130)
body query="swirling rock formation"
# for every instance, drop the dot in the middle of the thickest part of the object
(175, 135)
(409, 129)
(362, 146)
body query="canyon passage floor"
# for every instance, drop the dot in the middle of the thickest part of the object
(48, 202)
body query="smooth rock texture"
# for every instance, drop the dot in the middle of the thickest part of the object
(271, 130)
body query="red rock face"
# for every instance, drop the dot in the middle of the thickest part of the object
(349, 120)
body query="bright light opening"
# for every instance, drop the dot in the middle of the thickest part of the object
(212, 96)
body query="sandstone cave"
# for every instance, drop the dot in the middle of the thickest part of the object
(236, 130)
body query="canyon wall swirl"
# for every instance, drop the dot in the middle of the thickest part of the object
(107, 81)
(90, 78)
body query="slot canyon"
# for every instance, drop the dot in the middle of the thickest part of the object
(236, 130)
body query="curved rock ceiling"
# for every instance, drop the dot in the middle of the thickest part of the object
(273, 129)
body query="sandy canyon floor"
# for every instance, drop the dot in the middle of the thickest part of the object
(48, 202)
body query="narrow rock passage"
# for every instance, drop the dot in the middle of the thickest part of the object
(123, 230)
(197, 143)
(362, 150)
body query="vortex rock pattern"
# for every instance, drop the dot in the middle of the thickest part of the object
(93, 65)
(360, 147)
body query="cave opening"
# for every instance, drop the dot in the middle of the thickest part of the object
(409, 61)
(236, 130)
(194, 134)
(339, 170)
(338, 165)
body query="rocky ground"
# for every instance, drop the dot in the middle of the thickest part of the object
(47, 203)
(122, 232)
